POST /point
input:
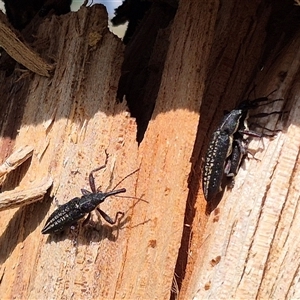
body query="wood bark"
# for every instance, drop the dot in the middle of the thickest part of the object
(166, 244)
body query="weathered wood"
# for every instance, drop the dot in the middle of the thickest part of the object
(165, 159)
(70, 120)
(249, 246)
(21, 52)
(24, 196)
(15, 160)
(246, 248)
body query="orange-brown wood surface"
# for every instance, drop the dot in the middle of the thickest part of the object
(166, 245)
(70, 120)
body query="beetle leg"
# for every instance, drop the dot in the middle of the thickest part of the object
(56, 202)
(227, 167)
(85, 192)
(259, 135)
(266, 128)
(251, 133)
(108, 219)
(86, 220)
(256, 102)
(239, 150)
(262, 115)
(91, 177)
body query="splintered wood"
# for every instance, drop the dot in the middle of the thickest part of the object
(21, 195)
(71, 119)
(247, 248)
(15, 160)
(21, 52)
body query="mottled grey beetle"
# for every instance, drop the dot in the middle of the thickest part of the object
(228, 147)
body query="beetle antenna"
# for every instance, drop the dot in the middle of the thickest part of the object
(131, 197)
(125, 178)
(271, 93)
(272, 101)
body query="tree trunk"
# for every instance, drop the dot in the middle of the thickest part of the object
(166, 244)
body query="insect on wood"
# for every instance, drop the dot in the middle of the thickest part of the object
(228, 147)
(77, 208)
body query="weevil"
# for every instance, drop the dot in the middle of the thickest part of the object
(218, 151)
(77, 208)
(227, 146)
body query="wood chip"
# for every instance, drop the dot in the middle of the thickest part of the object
(19, 197)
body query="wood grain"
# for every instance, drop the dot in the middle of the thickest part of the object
(166, 245)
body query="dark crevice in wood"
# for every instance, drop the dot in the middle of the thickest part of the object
(143, 64)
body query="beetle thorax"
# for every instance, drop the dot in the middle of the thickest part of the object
(91, 201)
(231, 121)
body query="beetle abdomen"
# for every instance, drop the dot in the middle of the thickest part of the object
(219, 149)
(64, 216)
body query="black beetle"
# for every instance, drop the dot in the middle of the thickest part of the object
(69, 213)
(228, 147)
